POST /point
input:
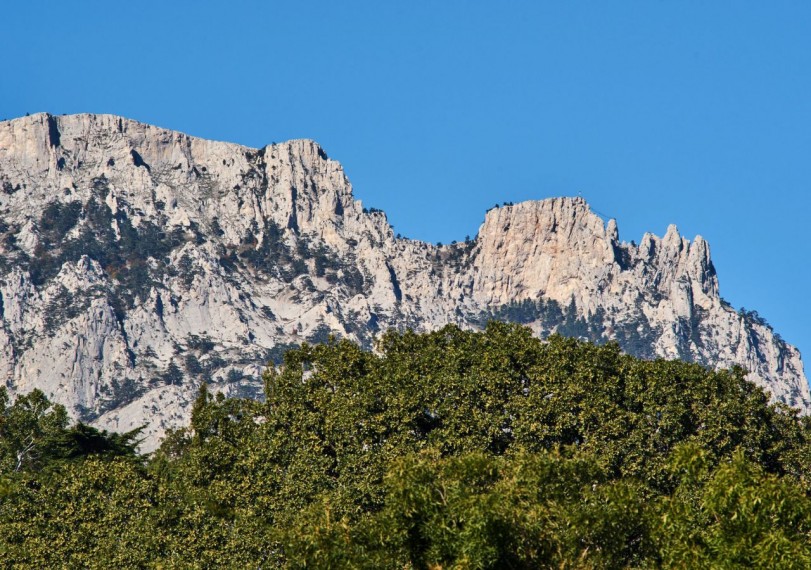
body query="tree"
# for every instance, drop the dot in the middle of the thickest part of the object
(27, 428)
(451, 448)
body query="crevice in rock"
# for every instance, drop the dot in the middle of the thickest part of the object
(54, 137)
(398, 294)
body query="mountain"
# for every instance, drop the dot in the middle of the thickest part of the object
(137, 262)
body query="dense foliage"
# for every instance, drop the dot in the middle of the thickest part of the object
(452, 449)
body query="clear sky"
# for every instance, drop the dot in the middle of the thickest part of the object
(688, 112)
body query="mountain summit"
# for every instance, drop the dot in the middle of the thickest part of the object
(137, 262)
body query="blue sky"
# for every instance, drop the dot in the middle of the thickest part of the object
(693, 113)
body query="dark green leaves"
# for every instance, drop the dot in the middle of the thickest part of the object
(447, 449)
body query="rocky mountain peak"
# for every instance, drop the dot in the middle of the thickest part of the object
(137, 262)
(521, 246)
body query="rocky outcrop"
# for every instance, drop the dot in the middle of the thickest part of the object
(136, 263)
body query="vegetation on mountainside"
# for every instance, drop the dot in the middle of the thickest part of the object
(121, 248)
(635, 335)
(452, 449)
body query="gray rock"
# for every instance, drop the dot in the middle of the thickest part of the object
(136, 263)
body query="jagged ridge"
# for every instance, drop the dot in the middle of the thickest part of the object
(137, 262)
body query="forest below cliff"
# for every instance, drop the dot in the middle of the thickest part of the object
(451, 449)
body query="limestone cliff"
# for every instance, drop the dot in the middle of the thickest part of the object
(137, 262)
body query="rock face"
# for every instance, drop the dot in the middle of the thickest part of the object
(136, 263)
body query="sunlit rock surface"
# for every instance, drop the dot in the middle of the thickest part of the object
(137, 262)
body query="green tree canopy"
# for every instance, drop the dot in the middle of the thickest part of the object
(451, 449)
